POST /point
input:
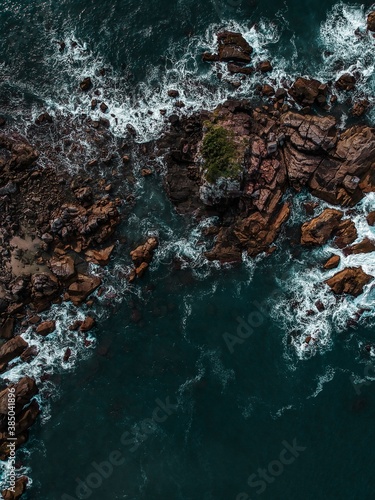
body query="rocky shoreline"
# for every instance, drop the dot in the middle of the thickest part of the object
(56, 222)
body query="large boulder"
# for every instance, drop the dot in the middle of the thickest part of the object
(82, 287)
(12, 349)
(25, 390)
(351, 280)
(62, 267)
(309, 91)
(19, 489)
(46, 328)
(320, 229)
(233, 47)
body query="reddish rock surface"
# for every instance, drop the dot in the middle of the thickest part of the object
(350, 281)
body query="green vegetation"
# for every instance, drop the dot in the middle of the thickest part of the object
(220, 153)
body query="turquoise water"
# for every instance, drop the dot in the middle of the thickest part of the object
(211, 348)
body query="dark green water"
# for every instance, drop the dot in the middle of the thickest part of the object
(236, 404)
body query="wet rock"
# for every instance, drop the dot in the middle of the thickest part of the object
(87, 324)
(236, 69)
(233, 48)
(82, 288)
(351, 281)
(100, 257)
(144, 253)
(360, 108)
(173, 93)
(103, 107)
(46, 328)
(320, 229)
(62, 267)
(67, 354)
(308, 92)
(346, 82)
(44, 118)
(86, 84)
(20, 488)
(29, 353)
(25, 390)
(267, 90)
(12, 349)
(365, 246)
(371, 21)
(264, 66)
(371, 218)
(332, 262)
(6, 328)
(346, 233)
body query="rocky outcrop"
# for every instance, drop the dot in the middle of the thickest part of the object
(350, 281)
(82, 287)
(346, 82)
(19, 489)
(12, 349)
(365, 246)
(308, 92)
(141, 257)
(232, 47)
(320, 229)
(336, 169)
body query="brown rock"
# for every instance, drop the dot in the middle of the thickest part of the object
(208, 57)
(29, 353)
(236, 69)
(145, 172)
(320, 229)
(360, 107)
(371, 21)
(103, 107)
(365, 246)
(67, 354)
(267, 90)
(25, 390)
(346, 233)
(351, 281)
(87, 324)
(62, 267)
(332, 262)
(82, 288)
(86, 84)
(173, 93)
(12, 349)
(6, 328)
(345, 82)
(233, 47)
(264, 66)
(144, 253)
(20, 488)
(46, 328)
(308, 92)
(140, 270)
(371, 218)
(100, 257)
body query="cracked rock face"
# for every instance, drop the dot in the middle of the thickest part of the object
(290, 150)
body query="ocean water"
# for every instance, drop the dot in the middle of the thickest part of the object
(198, 384)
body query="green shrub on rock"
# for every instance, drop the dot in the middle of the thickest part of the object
(220, 153)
